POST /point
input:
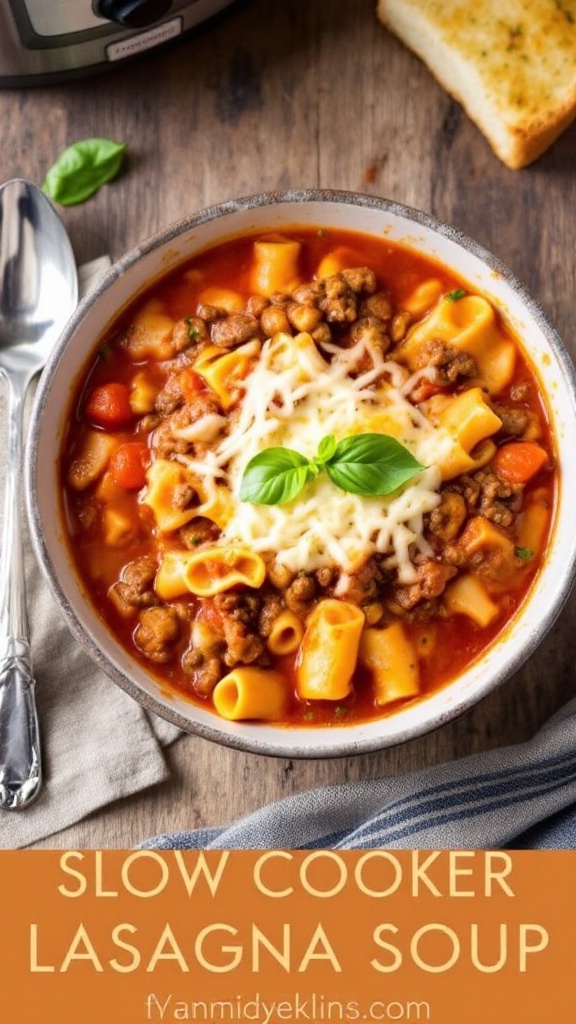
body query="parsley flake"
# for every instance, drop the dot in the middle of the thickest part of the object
(524, 553)
(193, 332)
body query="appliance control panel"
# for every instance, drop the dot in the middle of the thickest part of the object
(56, 39)
(45, 24)
(65, 17)
(61, 17)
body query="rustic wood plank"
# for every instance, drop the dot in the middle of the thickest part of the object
(293, 95)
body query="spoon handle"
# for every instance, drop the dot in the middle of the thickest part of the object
(20, 764)
(20, 772)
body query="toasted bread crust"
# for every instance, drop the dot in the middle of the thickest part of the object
(512, 67)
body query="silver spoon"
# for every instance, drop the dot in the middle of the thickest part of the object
(38, 292)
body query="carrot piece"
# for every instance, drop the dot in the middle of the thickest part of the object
(109, 405)
(518, 461)
(128, 465)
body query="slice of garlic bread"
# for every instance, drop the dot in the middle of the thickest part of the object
(510, 63)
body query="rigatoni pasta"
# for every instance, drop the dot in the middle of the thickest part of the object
(391, 657)
(469, 324)
(251, 693)
(275, 265)
(329, 651)
(209, 571)
(286, 633)
(309, 478)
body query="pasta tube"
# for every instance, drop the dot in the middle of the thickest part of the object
(275, 265)
(494, 549)
(338, 259)
(533, 526)
(223, 372)
(225, 298)
(423, 297)
(467, 595)
(391, 658)
(329, 651)
(469, 325)
(286, 634)
(468, 423)
(164, 479)
(208, 572)
(249, 692)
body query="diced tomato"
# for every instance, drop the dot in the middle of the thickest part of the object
(426, 389)
(211, 616)
(192, 384)
(109, 405)
(518, 461)
(128, 465)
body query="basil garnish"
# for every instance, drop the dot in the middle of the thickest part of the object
(326, 449)
(454, 296)
(82, 169)
(371, 465)
(274, 477)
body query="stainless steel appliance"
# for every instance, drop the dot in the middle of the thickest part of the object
(50, 40)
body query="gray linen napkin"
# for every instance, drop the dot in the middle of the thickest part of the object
(98, 744)
(523, 797)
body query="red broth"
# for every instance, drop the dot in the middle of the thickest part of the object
(489, 525)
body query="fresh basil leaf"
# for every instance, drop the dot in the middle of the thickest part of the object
(274, 476)
(366, 464)
(82, 169)
(326, 449)
(454, 296)
(371, 464)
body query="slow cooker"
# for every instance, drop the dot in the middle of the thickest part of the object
(50, 40)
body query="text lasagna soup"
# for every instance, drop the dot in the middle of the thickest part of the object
(308, 478)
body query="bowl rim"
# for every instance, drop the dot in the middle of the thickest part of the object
(343, 743)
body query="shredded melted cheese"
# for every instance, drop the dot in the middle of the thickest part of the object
(293, 397)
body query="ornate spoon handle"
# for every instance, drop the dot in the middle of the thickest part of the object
(20, 768)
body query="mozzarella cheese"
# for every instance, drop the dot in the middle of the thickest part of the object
(294, 397)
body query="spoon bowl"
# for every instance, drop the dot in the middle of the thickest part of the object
(38, 287)
(38, 292)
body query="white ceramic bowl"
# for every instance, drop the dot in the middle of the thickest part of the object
(165, 251)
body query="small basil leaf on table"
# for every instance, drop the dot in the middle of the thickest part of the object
(82, 169)
(274, 476)
(371, 465)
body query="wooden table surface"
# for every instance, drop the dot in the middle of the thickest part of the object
(287, 95)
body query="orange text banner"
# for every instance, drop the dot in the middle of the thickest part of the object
(129, 937)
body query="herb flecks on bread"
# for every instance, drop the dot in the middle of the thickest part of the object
(511, 63)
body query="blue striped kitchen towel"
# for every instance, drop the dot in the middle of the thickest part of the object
(520, 797)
